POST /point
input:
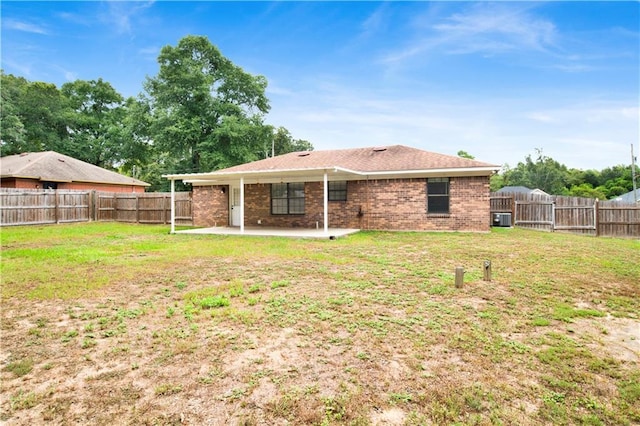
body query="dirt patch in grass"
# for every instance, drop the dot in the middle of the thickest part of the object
(364, 330)
(618, 338)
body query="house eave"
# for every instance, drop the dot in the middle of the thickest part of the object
(38, 178)
(58, 180)
(317, 174)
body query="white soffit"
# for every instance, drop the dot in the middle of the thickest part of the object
(317, 175)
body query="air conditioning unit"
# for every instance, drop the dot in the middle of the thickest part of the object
(501, 219)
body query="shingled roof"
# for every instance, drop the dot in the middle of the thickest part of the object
(363, 160)
(55, 167)
(396, 161)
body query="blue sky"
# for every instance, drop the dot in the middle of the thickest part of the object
(496, 79)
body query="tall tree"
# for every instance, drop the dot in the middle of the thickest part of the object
(12, 131)
(283, 143)
(204, 108)
(543, 173)
(137, 151)
(94, 122)
(33, 116)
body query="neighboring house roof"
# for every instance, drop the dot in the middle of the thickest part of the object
(54, 167)
(629, 197)
(520, 190)
(358, 163)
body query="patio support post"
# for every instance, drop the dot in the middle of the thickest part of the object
(242, 205)
(326, 204)
(173, 206)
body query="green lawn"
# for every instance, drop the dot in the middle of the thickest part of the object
(109, 322)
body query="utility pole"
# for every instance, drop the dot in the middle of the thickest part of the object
(633, 175)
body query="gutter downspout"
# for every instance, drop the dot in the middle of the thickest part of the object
(326, 204)
(173, 206)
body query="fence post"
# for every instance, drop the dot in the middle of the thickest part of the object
(56, 213)
(115, 207)
(164, 209)
(137, 208)
(92, 205)
(513, 210)
(596, 213)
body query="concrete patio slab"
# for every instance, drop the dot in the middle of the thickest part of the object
(332, 233)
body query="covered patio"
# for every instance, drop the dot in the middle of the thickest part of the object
(330, 233)
(238, 180)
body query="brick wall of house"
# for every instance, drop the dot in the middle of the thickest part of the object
(79, 186)
(258, 207)
(391, 204)
(210, 205)
(20, 183)
(401, 204)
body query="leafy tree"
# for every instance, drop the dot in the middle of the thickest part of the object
(283, 142)
(158, 164)
(236, 140)
(497, 180)
(33, 116)
(465, 154)
(12, 131)
(544, 173)
(586, 190)
(136, 147)
(44, 111)
(205, 111)
(94, 122)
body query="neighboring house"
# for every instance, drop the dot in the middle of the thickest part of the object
(392, 188)
(521, 190)
(630, 197)
(50, 170)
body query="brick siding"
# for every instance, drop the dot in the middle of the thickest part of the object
(210, 205)
(386, 204)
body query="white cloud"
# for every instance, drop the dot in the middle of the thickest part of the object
(120, 14)
(70, 75)
(540, 116)
(28, 27)
(487, 29)
(149, 53)
(573, 68)
(374, 22)
(582, 134)
(512, 26)
(274, 88)
(74, 18)
(18, 67)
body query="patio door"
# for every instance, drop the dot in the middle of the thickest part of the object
(234, 196)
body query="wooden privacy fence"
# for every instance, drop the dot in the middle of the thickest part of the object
(570, 214)
(36, 207)
(33, 207)
(148, 207)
